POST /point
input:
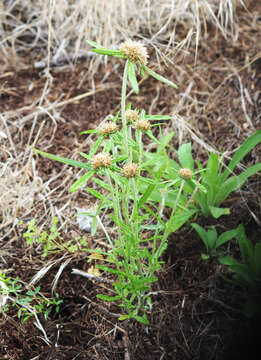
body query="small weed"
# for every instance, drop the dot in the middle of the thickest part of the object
(29, 303)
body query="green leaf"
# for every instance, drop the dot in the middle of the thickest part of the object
(245, 245)
(81, 181)
(244, 149)
(210, 176)
(104, 51)
(124, 317)
(146, 195)
(202, 233)
(93, 131)
(64, 160)
(257, 260)
(159, 77)
(132, 76)
(95, 147)
(231, 184)
(185, 156)
(212, 238)
(94, 193)
(216, 212)
(225, 237)
(142, 319)
(158, 117)
(178, 220)
(108, 298)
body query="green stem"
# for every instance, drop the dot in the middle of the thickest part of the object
(123, 108)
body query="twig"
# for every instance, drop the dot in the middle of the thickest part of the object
(91, 277)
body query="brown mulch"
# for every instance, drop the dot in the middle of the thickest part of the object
(196, 314)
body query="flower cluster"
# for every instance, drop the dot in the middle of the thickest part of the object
(143, 125)
(101, 160)
(108, 128)
(185, 173)
(130, 170)
(131, 116)
(135, 52)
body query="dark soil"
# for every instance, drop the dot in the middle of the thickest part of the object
(196, 314)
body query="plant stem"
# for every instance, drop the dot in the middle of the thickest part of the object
(123, 108)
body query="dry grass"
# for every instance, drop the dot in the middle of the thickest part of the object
(57, 29)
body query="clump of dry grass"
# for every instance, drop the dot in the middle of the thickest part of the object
(58, 28)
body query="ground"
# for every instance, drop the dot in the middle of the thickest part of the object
(196, 313)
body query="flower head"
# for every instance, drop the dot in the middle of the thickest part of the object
(135, 52)
(130, 170)
(142, 124)
(101, 160)
(185, 174)
(108, 128)
(131, 115)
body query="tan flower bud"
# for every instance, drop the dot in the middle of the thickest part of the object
(130, 170)
(131, 116)
(135, 52)
(101, 160)
(185, 173)
(108, 128)
(142, 124)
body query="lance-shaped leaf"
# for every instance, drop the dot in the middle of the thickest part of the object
(159, 77)
(132, 77)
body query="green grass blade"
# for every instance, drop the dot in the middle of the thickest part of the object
(64, 160)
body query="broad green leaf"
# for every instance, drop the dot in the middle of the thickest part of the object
(132, 76)
(225, 237)
(252, 170)
(179, 219)
(159, 77)
(202, 233)
(185, 156)
(64, 160)
(81, 181)
(245, 245)
(212, 238)
(244, 149)
(231, 184)
(211, 175)
(216, 212)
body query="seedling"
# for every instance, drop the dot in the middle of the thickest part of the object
(212, 241)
